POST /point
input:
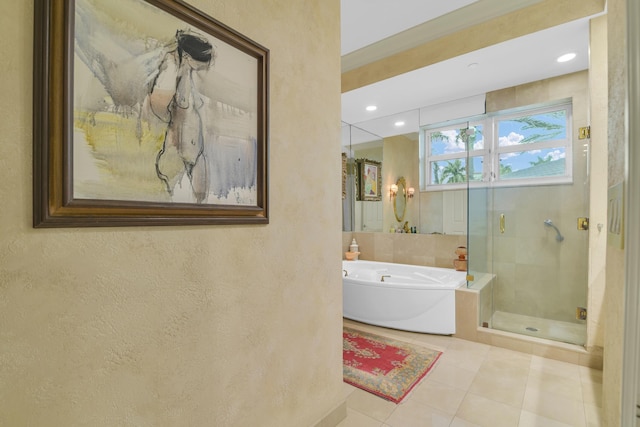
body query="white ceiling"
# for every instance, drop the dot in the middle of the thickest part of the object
(525, 59)
(364, 22)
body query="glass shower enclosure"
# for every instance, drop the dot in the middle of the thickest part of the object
(527, 239)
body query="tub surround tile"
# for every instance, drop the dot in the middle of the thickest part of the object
(434, 250)
(467, 317)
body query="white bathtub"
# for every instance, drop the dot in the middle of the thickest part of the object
(411, 297)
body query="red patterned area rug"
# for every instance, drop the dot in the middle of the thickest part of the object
(383, 366)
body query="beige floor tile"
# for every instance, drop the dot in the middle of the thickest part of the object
(459, 422)
(347, 389)
(487, 413)
(515, 368)
(357, 419)
(439, 396)
(502, 384)
(555, 367)
(402, 335)
(502, 380)
(529, 419)
(554, 406)
(414, 414)
(466, 354)
(451, 374)
(469, 346)
(570, 388)
(370, 404)
(462, 359)
(510, 357)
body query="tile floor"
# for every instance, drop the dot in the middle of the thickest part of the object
(475, 384)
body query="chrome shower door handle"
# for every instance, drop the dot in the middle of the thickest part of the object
(501, 223)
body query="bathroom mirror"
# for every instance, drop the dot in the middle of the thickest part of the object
(400, 202)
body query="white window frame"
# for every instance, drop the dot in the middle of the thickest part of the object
(491, 151)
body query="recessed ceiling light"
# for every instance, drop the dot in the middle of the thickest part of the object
(371, 108)
(566, 57)
(398, 124)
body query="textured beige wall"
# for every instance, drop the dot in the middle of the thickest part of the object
(183, 326)
(614, 292)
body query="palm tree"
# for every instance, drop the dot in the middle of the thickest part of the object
(454, 172)
(468, 139)
(549, 130)
(505, 169)
(540, 161)
(436, 173)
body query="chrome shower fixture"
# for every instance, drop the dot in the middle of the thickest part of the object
(549, 223)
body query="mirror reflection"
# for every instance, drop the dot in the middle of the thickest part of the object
(424, 212)
(400, 199)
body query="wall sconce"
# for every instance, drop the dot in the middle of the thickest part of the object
(410, 192)
(393, 190)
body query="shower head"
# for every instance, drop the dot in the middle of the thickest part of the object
(549, 223)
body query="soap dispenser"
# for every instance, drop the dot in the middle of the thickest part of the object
(353, 247)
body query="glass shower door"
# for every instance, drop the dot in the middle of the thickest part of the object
(540, 286)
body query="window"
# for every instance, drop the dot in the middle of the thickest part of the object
(527, 147)
(456, 154)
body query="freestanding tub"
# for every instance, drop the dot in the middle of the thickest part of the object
(401, 296)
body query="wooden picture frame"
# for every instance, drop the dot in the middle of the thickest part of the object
(369, 180)
(146, 112)
(344, 176)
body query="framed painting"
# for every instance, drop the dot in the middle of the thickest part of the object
(146, 112)
(369, 180)
(344, 176)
